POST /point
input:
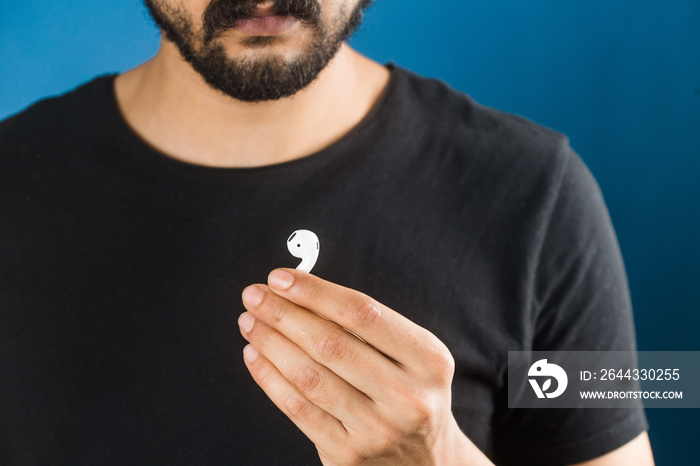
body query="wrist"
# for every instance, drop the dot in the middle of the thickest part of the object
(458, 449)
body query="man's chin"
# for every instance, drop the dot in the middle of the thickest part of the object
(257, 78)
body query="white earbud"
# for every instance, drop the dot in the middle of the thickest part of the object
(304, 245)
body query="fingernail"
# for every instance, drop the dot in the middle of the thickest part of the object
(246, 322)
(250, 354)
(280, 279)
(252, 296)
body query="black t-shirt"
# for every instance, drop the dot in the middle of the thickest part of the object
(121, 271)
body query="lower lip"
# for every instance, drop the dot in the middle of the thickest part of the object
(266, 25)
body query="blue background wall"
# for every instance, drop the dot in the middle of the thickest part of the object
(621, 78)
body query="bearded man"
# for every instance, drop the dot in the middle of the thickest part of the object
(138, 209)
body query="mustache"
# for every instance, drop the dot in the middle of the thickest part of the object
(221, 15)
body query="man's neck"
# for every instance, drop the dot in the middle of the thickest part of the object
(171, 108)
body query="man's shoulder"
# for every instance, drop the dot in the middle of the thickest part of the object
(51, 120)
(482, 136)
(39, 145)
(456, 115)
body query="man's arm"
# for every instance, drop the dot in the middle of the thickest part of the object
(636, 452)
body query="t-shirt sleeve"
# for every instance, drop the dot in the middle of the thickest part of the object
(581, 303)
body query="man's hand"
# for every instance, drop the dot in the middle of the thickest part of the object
(362, 382)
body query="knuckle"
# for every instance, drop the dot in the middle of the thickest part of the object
(440, 362)
(365, 311)
(332, 345)
(447, 366)
(299, 407)
(278, 313)
(307, 379)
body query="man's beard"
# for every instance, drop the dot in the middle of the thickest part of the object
(255, 79)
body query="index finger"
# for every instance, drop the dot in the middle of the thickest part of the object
(381, 327)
